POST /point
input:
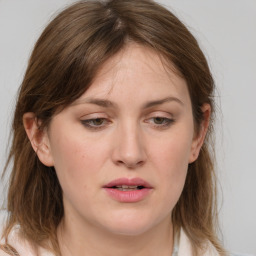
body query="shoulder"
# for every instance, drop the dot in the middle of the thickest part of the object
(2, 253)
(185, 247)
(3, 215)
(17, 246)
(6, 250)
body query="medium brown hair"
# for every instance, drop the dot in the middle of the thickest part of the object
(62, 66)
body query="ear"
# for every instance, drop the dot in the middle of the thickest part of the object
(38, 138)
(200, 136)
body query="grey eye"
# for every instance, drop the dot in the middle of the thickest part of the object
(97, 121)
(159, 120)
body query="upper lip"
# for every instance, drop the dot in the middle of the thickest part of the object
(128, 182)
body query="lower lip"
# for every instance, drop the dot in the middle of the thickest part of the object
(131, 196)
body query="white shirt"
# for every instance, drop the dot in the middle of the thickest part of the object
(182, 248)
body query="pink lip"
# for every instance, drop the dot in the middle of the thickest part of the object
(128, 182)
(131, 196)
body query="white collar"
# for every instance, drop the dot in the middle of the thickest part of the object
(182, 246)
(185, 247)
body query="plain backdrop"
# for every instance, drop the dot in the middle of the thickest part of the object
(226, 30)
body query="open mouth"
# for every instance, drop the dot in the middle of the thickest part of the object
(124, 184)
(127, 188)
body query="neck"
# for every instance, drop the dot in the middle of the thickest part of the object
(89, 240)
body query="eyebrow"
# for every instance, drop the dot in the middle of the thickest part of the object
(162, 101)
(99, 102)
(110, 104)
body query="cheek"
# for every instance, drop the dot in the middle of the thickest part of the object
(172, 152)
(77, 160)
(170, 158)
(173, 165)
(77, 165)
(72, 150)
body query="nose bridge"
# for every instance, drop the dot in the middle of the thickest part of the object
(129, 148)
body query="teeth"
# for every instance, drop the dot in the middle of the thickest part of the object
(125, 186)
(126, 189)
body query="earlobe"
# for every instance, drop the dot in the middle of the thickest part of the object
(199, 138)
(38, 138)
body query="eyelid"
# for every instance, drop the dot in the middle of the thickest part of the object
(94, 115)
(88, 123)
(87, 120)
(160, 114)
(168, 119)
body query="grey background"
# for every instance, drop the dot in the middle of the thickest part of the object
(226, 31)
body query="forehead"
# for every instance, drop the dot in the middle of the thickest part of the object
(137, 73)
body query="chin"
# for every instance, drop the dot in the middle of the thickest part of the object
(129, 230)
(130, 226)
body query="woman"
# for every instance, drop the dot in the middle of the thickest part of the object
(111, 138)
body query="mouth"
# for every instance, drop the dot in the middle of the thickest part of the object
(125, 184)
(128, 190)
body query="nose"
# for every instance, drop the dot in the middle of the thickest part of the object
(129, 148)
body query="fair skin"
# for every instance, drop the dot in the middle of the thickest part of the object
(140, 126)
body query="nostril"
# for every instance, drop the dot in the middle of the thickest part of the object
(130, 164)
(128, 154)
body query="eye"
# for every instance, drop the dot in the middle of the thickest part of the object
(160, 122)
(95, 123)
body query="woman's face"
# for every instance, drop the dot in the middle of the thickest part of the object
(121, 151)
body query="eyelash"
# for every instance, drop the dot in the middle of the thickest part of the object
(167, 122)
(88, 123)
